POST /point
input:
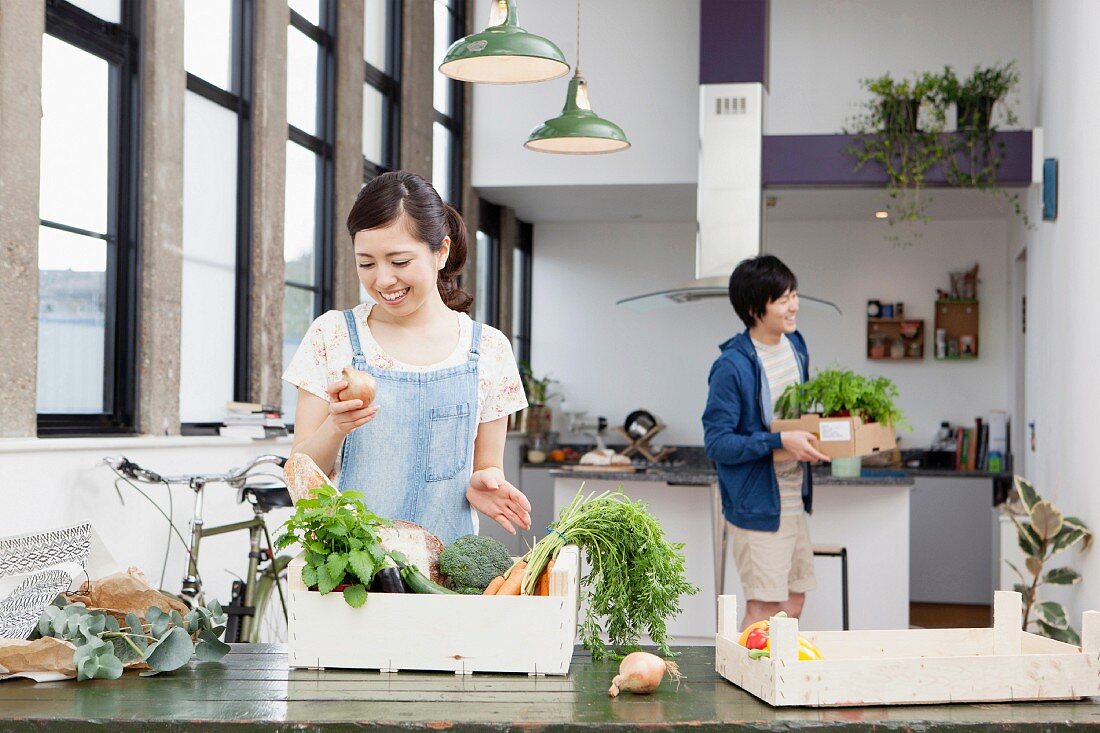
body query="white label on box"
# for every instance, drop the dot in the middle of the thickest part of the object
(836, 431)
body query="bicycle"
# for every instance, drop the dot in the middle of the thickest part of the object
(253, 615)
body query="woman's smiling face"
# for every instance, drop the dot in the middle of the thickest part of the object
(399, 271)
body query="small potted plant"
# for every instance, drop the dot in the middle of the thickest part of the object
(536, 419)
(891, 133)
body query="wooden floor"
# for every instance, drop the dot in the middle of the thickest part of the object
(950, 616)
(252, 689)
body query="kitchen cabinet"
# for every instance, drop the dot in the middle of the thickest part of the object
(952, 541)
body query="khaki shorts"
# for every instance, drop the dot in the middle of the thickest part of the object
(772, 565)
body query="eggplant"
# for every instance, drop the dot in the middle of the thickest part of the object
(388, 580)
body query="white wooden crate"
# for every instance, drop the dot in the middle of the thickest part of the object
(915, 666)
(447, 633)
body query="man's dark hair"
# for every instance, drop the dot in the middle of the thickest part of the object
(756, 282)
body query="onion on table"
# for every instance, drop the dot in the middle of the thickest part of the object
(641, 673)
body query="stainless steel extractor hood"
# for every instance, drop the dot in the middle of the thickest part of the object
(729, 202)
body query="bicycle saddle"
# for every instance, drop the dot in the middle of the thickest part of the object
(266, 493)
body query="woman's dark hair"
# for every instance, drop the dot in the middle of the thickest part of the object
(756, 282)
(382, 201)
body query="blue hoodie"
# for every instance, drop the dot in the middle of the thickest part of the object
(738, 438)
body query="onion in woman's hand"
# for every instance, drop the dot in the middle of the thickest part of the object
(641, 673)
(361, 386)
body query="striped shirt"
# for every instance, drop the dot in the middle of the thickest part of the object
(781, 370)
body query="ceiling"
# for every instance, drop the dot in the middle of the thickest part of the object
(676, 202)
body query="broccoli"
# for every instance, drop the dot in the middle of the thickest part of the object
(472, 561)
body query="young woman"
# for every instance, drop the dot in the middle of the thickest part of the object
(430, 448)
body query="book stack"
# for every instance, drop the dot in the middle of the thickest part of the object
(982, 447)
(252, 420)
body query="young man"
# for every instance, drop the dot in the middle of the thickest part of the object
(766, 501)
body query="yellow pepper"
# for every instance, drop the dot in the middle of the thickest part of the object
(757, 638)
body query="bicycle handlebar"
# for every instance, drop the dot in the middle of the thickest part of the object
(234, 477)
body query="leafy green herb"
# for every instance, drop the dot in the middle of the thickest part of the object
(835, 391)
(636, 576)
(340, 536)
(164, 641)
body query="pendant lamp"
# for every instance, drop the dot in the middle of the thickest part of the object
(504, 53)
(577, 130)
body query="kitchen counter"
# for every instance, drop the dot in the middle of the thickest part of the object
(253, 690)
(704, 476)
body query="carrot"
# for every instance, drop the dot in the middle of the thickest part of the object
(543, 588)
(494, 586)
(514, 581)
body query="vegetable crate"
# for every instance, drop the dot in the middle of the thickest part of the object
(445, 633)
(916, 666)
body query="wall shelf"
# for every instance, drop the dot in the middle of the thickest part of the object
(960, 320)
(884, 333)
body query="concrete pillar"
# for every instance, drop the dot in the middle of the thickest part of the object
(22, 23)
(163, 83)
(417, 72)
(349, 144)
(269, 136)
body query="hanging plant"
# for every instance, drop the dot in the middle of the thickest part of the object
(976, 155)
(891, 132)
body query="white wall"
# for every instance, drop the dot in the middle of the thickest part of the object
(55, 482)
(1063, 263)
(611, 360)
(643, 74)
(820, 50)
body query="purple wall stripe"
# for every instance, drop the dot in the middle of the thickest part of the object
(820, 160)
(733, 41)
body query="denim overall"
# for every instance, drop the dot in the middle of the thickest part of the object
(414, 459)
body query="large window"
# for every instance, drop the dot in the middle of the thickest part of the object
(214, 327)
(486, 287)
(88, 214)
(381, 90)
(521, 293)
(307, 244)
(450, 22)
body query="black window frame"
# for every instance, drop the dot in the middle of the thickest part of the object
(521, 333)
(455, 119)
(324, 147)
(389, 85)
(118, 44)
(489, 225)
(240, 103)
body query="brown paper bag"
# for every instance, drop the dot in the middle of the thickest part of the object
(124, 593)
(41, 655)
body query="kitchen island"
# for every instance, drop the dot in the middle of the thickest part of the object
(868, 515)
(252, 690)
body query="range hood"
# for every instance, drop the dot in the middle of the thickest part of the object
(729, 202)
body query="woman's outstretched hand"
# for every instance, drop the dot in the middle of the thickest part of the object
(493, 496)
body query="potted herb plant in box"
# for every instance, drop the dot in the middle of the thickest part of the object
(837, 392)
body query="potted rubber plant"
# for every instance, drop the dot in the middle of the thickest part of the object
(1043, 531)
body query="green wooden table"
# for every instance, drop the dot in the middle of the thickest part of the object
(252, 689)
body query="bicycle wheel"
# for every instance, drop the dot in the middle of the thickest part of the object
(269, 624)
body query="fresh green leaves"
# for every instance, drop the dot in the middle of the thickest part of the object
(340, 536)
(1042, 532)
(835, 390)
(636, 576)
(164, 640)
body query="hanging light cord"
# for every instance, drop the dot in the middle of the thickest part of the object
(577, 71)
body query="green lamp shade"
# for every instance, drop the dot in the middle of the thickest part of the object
(504, 53)
(577, 130)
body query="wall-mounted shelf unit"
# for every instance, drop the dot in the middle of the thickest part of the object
(960, 320)
(895, 339)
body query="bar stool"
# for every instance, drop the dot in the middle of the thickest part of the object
(842, 553)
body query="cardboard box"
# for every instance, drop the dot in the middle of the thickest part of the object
(839, 437)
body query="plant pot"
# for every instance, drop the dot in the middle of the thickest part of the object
(900, 115)
(974, 113)
(538, 419)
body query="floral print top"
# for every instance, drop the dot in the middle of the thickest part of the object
(326, 350)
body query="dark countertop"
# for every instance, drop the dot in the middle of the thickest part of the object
(253, 690)
(705, 476)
